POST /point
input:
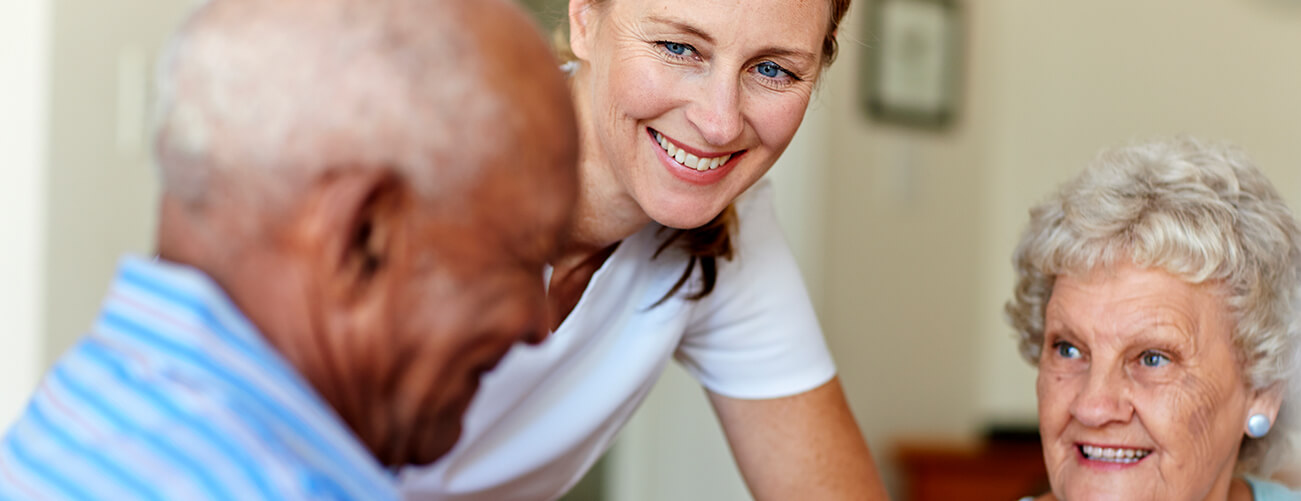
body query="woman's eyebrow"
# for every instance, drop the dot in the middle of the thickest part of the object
(789, 53)
(1060, 333)
(1165, 332)
(683, 26)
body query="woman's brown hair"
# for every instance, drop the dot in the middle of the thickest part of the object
(704, 245)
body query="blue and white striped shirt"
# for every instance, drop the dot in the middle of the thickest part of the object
(175, 395)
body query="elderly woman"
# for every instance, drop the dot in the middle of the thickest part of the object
(1158, 295)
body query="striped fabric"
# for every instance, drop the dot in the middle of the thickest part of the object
(174, 395)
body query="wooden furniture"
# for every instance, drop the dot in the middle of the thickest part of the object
(996, 470)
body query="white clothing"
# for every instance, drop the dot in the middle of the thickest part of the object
(548, 412)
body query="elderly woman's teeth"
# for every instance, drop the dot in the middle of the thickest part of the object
(688, 160)
(1113, 455)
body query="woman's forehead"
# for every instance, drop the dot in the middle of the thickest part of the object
(1135, 302)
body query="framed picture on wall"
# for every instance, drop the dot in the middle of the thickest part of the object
(911, 69)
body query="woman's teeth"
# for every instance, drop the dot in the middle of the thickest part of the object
(1113, 455)
(688, 160)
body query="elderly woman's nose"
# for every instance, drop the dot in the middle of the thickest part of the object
(1103, 399)
(716, 110)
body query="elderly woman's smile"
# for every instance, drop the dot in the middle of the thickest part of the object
(1113, 454)
(1137, 383)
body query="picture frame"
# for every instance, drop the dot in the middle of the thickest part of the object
(911, 70)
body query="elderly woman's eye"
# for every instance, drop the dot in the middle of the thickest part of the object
(1153, 359)
(1066, 350)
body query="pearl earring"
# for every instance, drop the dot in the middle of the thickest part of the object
(1257, 425)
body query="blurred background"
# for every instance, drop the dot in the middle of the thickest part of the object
(903, 230)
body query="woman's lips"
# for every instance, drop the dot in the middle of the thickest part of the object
(692, 165)
(688, 157)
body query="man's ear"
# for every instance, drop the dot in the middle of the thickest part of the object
(357, 222)
(582, 17)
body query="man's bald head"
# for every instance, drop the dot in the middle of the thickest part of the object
(377, 184)
(284, 88)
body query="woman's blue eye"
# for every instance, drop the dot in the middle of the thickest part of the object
(679, 49)
(1067, 350)
(1153, 359)
(769, 69)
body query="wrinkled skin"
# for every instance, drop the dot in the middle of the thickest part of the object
(398, 350)
(1136, 358)
(390, 298)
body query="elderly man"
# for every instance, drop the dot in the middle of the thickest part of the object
(358, 200)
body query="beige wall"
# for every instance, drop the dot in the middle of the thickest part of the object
(101, 189)
(24, 34)
(903, 260)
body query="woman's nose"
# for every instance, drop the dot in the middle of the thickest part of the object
(1103, 400)
(716, 111)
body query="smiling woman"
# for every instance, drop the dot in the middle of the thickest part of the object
(711, 241)
(1158, 295)
(682, 105)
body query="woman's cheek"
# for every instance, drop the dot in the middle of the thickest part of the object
(779, 117)
(1200, 402)
(643, 90)
(1054, 396)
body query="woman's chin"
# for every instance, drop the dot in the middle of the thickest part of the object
(683, 214)
(1100, 493)
(1111, 485)
(683, 221)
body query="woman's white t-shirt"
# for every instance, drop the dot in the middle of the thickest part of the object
(548, 412)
